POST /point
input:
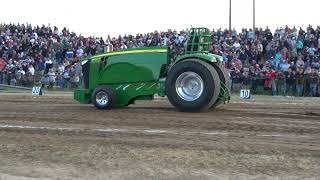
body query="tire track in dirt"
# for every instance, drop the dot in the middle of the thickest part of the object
(217, 125)
(220, 119)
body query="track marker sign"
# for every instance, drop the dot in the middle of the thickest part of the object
(36, 91)
(245, 94)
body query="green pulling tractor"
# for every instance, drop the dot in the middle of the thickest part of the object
(195, 81)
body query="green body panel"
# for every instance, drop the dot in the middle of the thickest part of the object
(131, 66)
(133, 74)
(127, 93)
(82, 95)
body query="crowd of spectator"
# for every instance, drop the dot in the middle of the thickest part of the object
(286, 61)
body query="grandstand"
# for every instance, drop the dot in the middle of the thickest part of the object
(283, 62)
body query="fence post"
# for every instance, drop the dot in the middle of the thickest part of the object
(1, 78)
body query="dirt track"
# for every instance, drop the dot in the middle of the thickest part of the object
(53, 137)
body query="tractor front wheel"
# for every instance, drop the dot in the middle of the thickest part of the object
(192, 85)
(103, 97)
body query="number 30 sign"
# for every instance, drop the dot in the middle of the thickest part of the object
(245, 93)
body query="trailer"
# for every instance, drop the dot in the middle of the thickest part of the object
(193, 82)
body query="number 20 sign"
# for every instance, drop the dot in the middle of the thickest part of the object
(245, 93)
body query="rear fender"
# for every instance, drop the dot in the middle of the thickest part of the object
(211, 58)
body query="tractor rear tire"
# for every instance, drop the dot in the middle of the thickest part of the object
(224, 78)
(192, 85)
(103, 97)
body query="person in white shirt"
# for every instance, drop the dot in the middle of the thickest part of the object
(80, 52)
(299, 62)
(236, 45)
(260, 47)
(48, 64)
(251, 34)
(31, 70)
(61, 68)
(20, 75)
(21, 72)
(123, 46)
(52, 77)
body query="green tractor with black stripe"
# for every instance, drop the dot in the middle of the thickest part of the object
(195, 81)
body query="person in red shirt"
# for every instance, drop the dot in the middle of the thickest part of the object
(3, 64)
(270, 81)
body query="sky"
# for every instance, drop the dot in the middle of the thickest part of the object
(118, 17)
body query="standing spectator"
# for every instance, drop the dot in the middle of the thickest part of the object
(290, 82)
(66, 77)
(246, 80)
(52, 78)
(270, 81)
(300, 81)
(313, 78)
(280, 83)
(74, 77)
(60, 80)
(261, 81)
(20, 76)
(254, 78)
(40, 66)
(237, 78)
(3, 64)
(48, 65)
(31, 70)
(30, 74)
(10, 71)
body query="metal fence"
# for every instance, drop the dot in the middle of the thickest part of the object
(45, 81)
(277, 86)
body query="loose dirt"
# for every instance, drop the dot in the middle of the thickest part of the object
(54, 137)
